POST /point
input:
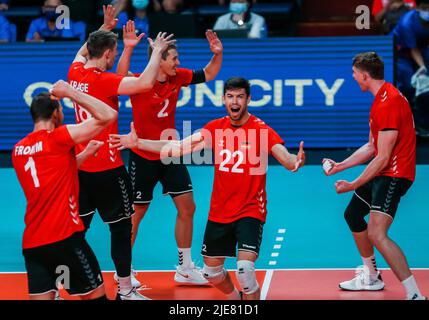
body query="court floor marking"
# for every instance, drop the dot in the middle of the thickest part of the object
(266, 284)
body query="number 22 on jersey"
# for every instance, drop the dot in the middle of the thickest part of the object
(228, 155)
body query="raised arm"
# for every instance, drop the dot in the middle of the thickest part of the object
(290, 161)
(146, 80)
(166, 148)
(109, 24)
(360, 156)
(130, 42)
(386, 143)
(101, 114)
(214, 65)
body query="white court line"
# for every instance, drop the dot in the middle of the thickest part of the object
(277, 246)
(266, 284)
(282, 231)
(274, 254)
(280, 239)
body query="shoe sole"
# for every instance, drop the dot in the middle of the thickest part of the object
(345, 289)
(185, 282)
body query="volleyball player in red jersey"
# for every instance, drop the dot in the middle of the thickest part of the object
(46, 166)
(104, 182)
(391, 150)
(241, 144)
(154, 113)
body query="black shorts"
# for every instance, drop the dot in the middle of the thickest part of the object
(145, 174)
(382, 194)
(70, 262)
(221, 239)
(108, 191)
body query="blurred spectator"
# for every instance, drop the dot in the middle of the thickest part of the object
(45, 27)
(138, 13)
(7, 29)
(241, 17)
(379, 7)
(389, 12)
(412, 38)
(169, 6)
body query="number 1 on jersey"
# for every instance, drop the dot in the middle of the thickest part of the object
(32, 166)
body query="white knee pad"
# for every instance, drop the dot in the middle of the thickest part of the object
(214, 275)
(246, 276)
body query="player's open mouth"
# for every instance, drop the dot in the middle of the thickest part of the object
(235, 111)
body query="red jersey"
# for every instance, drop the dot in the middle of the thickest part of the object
(154, 111)
(391, 110)
(104, 87)
(378, 5)
(241, 160)
(45, 163)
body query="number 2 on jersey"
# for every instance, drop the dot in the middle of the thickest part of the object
(162, 113)
(31, 165)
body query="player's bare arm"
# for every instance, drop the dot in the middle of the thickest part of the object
(101, 114)
(214, 65)
(290, 161)
(146, 80)
(386, 143)
(109, 24)
(166, 148)
(360, 156)
(90, 150)
(131, 40)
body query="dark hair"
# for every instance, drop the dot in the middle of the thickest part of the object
(370, 62)
(164, 53)
(42, 107)
(237, 83)
(99, 41)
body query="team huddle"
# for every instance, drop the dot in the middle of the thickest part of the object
(68, 172)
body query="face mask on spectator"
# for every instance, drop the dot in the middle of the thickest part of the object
(237, 7)
(424, 15)
(140, 4)
(50, 13)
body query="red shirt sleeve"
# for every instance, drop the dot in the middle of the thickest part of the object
(388, 116)
(110, 83)
(184, 76)
(62, 137)
(377, 6)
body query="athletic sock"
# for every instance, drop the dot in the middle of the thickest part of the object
(372, 266)
(411, 288)
(124, 284)
(234, 295)
(185, 259)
